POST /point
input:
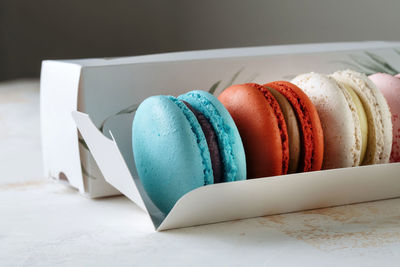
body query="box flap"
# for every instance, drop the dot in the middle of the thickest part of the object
(108, 158)
(113, 166)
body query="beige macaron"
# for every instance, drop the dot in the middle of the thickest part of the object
(339, 119)
(378, 115)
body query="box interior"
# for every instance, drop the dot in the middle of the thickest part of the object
(132, 83)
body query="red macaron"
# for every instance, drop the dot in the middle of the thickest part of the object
(312, 138)
(264, 129)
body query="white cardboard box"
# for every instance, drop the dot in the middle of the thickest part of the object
(103, 94)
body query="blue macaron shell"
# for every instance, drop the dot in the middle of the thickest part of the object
(171, 152)
(229, 140)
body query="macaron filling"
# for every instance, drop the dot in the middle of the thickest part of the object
(281, 124)
(203, 105)
(212, 143)
(201, 140)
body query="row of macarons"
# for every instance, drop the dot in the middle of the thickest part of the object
(314, 122)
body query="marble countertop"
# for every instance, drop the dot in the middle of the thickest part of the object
(45, 223)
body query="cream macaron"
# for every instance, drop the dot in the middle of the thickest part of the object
(342, 117)
(377, 112)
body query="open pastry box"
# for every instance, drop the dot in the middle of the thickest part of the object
(100, 96)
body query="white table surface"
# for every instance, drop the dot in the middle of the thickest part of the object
(44, 223)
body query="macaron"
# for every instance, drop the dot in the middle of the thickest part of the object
(279, 126)
(312, 136)
(292, 127)
(180, 144)
(342, 117)
(390, 88)
(377, 112)
(262, 127)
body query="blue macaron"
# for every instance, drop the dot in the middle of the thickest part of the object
(183, 143)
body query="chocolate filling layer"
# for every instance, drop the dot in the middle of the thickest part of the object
(212, 143)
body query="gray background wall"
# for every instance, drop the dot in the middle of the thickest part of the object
(31, 31)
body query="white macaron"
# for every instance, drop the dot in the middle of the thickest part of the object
(340, 119)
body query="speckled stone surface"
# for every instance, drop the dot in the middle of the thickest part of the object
(45, 223)
(20, 156)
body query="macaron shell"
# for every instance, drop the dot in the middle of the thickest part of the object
(258, 126)
(339, 119)
(281, 124)
(229, 139)
(390, 88)
(168, 154)
(378, 114)
(310, 125)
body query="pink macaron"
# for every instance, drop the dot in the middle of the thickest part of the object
(390, 87)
